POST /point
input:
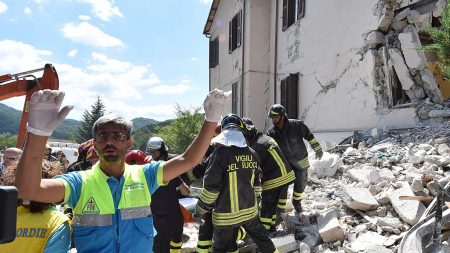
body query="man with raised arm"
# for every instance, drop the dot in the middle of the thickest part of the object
(111, 202)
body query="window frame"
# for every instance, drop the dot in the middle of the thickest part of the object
(293, 10)
(289, 95)
(235, 32)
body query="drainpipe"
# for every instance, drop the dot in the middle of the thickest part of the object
(243, 59)
(275, 55)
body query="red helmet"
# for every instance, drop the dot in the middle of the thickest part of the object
(135, 157)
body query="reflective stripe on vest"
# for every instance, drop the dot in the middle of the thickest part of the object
(95, 206)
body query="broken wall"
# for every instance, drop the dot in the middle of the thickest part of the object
(337, 82)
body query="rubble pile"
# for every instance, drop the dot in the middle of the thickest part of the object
(352, 199)
(351, 202)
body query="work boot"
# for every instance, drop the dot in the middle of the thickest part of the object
(297, 206)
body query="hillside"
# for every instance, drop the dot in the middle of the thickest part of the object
(10, 120)
(142, 122)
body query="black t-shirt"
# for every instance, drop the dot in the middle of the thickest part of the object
(165, 199)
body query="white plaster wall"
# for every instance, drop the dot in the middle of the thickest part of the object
(322, 47)
(257, 60)
(229, 69)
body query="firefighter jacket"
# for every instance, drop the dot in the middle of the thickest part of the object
(276, 170)
(229, 186)
(290, 139)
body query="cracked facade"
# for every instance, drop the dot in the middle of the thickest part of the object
(343, 65)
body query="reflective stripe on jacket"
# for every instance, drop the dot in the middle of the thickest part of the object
(276, 170)
(229, 184)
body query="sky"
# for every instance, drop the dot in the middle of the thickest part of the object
(141, 57)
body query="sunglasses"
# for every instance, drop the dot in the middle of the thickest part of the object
(116, 136)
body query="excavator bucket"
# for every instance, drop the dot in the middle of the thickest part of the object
(25, 83)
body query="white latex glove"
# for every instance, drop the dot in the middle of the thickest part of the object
(45, 114)
(213, 104)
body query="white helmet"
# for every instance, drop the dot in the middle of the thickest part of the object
(156, 143)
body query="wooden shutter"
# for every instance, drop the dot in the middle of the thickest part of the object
(216, 50)
(230, 36)
(212, 54)
(292, 96)
(300, 9)
(285, 14)
(283, 92)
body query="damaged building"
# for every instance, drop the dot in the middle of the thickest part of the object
(339, 65)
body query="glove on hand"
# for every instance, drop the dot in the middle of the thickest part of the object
(45, 114)
(319, 154)
(213, 104)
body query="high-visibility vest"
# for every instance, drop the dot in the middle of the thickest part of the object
(95, 210)
(33, 230)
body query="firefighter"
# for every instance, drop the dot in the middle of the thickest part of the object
(276, 175)
(167, 215)
(289, 134)
(229, 186)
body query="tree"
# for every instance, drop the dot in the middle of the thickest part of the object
(7, 140)
(441, 42)
(182, 130)
(89, 118)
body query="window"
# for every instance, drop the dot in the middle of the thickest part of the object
(234, 32)
(235, 98)
(293, 10)
(213, 53)
(289, 95)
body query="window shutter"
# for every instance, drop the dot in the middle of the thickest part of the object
(300, 9)
(230, 36)
(283, 95)
(239, 29)
(212, 54)
(293, 96)
(216, 50)
(285, 14)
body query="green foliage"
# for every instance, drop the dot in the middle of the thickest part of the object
(141, 135)
(142, 122)
(89, 118)
(441, 42)
(182, 130)
(7, 140)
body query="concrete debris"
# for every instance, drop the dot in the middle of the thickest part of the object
(358, 198)
(329, 228)
(439, 8)
(401, 69)
(409, 211)
(357, 207)
(413, 16)
(411, 49)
